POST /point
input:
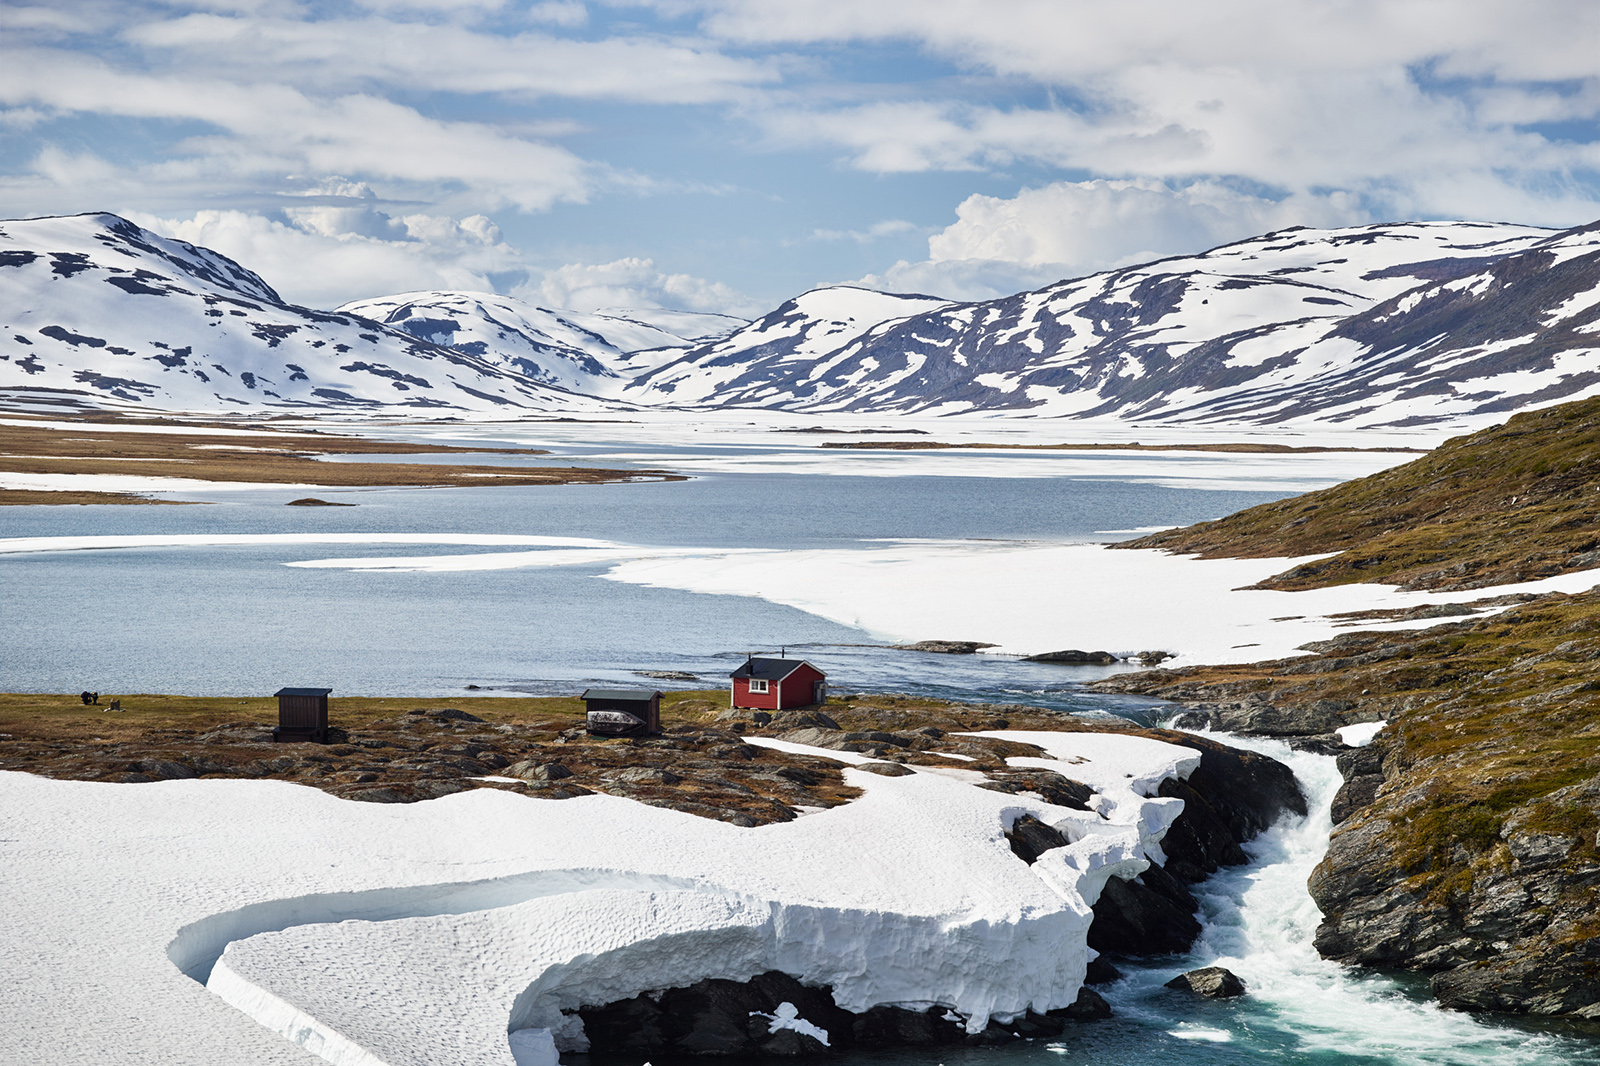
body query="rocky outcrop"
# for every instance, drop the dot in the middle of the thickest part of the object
(1467, 834)
(775, 1014)
(1072, 656)
(1505, 923)
(945, 647)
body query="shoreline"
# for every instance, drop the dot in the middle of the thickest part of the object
(42, 463)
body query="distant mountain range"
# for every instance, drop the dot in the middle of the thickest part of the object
(1388, 325)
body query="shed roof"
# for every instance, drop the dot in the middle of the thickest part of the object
(770, 669)
(640, 695)
(302, 692)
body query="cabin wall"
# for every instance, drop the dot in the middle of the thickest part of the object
(758, 701)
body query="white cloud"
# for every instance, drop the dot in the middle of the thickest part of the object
(1091, 225)
(876, 231)
(962, 279)
(417, 55)
(999, 245)
(264, 132)
(634, 282)
(1399, 101)
(326, 255)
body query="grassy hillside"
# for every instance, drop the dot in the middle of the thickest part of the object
(1514, 503)
(1469, 837)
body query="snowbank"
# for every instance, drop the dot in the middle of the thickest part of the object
(1025, 597)
(425, 933)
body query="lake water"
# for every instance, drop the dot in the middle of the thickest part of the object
(236, 617)
(208, 619)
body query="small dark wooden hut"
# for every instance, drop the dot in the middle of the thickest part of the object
(302, 715)
(622, 712)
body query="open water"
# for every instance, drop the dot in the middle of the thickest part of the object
(235, 619)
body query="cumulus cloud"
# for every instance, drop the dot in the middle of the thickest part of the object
(324, 255)
(1389, 99)
(634, 282)
(1091, 225)
(1000, 245)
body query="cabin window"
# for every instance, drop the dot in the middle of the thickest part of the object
(757, 686)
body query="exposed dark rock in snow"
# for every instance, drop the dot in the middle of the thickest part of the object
(775, 1014)
(1072, 655)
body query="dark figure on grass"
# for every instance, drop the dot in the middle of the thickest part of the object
(89, 697)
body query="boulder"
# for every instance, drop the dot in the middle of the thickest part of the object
(529, 770)
(1212, 982)
(1030, 838)
(886, 769)
(1090, 1006)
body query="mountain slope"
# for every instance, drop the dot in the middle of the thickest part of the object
(99, 311)
(596, 353)
(780, 359)
(1295, 324)
(1467, 839)
(1517, 502)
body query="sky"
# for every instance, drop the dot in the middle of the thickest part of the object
(726, 155)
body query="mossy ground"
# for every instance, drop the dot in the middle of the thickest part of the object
(1513, 503)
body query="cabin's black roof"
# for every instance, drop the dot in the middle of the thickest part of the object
(770, 669)
(636, 695)
(302, 692)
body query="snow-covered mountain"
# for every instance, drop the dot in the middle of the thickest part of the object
(1387, 325)
(597, 353)
(96, 310)
(779, 359)
(1327, 324)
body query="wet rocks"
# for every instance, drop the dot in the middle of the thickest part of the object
(1212, 982)
(1072, 656)
(945, 647)
(774, 1014)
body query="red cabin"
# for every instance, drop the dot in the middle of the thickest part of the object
(776, 684)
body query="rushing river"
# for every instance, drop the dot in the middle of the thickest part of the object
(243, 614)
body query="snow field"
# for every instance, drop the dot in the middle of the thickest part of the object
(329, 930)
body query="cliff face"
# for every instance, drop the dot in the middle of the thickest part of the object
(1467, 843)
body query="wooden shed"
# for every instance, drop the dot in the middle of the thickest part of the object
(302, 715)
(622, 712)
(776, 684)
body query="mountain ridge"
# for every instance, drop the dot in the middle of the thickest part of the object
(1401, 325)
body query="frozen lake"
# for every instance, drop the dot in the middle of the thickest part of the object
(315, 596)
